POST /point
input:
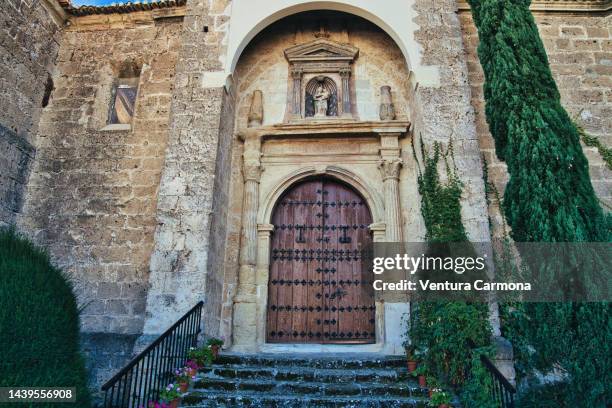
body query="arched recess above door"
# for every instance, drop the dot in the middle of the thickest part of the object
(373, 199)
(396, 17)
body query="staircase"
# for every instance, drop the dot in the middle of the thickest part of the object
(286, 381)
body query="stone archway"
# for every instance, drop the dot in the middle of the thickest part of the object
(395, 17)
(280, 149)
(318, 288)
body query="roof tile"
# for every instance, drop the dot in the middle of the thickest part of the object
(119, 7)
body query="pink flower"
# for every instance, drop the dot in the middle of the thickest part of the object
(191, 364)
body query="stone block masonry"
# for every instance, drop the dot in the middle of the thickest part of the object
(147, 218)
(91, 199)
(29, 43)
(188, 243)
(446, 113)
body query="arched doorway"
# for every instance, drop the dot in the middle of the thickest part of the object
(318, 289)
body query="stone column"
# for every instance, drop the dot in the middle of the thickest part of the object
(264, 232)
(251, 171)
(390, 170)
(248, 237)
(244, 333)
(296, 96)
(345, 74)
(390, 165)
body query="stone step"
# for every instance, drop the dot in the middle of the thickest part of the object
(272, 380)
(363, 389)
(233, 399)
(347, 361)
(287, 373)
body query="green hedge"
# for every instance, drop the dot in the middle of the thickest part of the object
(39, 322)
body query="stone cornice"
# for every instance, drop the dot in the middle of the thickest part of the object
(316, 128)
(560, 5)
(95, 22)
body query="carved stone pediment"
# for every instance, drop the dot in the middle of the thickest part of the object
(321, 50)
(320, 72)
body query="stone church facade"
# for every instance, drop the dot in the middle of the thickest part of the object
(167, 153)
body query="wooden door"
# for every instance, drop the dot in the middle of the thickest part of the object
(318, 291)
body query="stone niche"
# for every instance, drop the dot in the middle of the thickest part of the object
(320, 72)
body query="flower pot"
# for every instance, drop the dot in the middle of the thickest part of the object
(215, 350)
(430, 392)
(412, 365)
(422, 381)
(443, 406)
(175, 403)
(184, 386)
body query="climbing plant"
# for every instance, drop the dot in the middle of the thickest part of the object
(451, 335)
(549, 198)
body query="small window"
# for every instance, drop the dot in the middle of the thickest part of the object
(123, 101)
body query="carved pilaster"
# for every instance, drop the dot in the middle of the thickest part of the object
(251, 170)
(252, 175)
(296, 93)
(245, 309)
(390, 171)
(264, 233)
(345, 74)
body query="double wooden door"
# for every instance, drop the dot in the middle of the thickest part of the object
(318, 290)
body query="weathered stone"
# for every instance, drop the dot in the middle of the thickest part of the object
(147, 218)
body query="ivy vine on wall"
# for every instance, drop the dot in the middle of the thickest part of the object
(450, 336)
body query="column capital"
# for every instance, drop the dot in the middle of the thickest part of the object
(252, 171)
(379, 231)
(296, 72)
(390, 168)
(345, 72)
(265, 228)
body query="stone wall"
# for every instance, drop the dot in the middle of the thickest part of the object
(29, 42)
(190, 196)
(445, 113)
(216, 276)
(91, 199)
(579, 48)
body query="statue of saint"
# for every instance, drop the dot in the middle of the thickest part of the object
(321, 97)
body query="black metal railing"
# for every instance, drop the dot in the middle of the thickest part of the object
(502, 392)
(142, 379)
